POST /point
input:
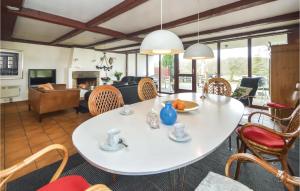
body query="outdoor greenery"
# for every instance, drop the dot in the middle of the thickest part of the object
(167, 62)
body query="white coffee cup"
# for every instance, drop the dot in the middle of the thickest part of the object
(126, 109)
(179, 130)
(112, 137)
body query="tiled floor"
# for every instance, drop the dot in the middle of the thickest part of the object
(23, 134)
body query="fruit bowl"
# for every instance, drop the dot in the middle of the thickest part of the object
(183, 105)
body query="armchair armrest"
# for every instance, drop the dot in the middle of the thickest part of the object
(98, 187)
(279, 120)
(287, 180)
(8, 173)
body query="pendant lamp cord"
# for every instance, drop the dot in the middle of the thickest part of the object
(160, 14)
(198, 22)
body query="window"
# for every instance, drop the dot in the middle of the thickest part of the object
(153, 68)
(234, 61)
(207, 68)
(261, 52)
(141, 65)
(131, 65)
(167, 73)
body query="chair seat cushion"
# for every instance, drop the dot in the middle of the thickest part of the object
(67, 183)
(262, 137)
(277, 105)
(216, 182)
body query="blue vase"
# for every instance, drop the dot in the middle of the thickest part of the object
(168, 114)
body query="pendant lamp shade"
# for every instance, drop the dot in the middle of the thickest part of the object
(161, 42)
(198, 51)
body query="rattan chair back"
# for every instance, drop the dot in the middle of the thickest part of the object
(104, 98)
(146, 89)
(218, 86)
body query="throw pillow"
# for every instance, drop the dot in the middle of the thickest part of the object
(47, 86)
(241, 92)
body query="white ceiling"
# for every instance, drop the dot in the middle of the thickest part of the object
(81, 10)
(278, 8)
(148, 14)
(115, 44)
(141, 17)
(85, 38)
(236, 31)
(30, 29)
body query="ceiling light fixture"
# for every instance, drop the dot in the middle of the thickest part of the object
(198, 50)
(161, 41)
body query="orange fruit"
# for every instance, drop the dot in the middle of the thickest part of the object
(180, 105)
(174, 104)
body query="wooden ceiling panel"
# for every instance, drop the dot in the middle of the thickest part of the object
(85, 38)
(81, 10)
(30, 29)
(242, 16)
(148, 14)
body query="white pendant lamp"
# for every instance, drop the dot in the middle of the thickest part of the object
(161, 41)
(198, 50)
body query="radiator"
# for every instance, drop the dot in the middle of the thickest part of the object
(10, 91)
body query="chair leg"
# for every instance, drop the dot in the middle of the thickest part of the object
(238, 165)
(237, 143)
(229, 143)
(284, 164)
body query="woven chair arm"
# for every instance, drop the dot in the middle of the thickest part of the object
(98, 187)
(283, 176)
(9, 172)
(263, 113)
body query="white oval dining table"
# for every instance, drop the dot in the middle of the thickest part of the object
(150, 151)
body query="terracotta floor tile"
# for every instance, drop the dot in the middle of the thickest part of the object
(38, 139)
(31, 167)
(25, 135)
(48, 158)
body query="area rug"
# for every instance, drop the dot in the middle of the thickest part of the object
(251, 175)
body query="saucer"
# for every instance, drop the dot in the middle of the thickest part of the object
(122, 112)
(185, 138)
(106, 147)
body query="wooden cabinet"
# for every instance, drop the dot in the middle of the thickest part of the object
(284, 73)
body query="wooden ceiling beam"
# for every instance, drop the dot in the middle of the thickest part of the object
(109, 14)
(55, 19)
(8, 20)
(115, 11)
(275, 19)
(120, 47)
(261, 32)
(255, 33)
(222, 10)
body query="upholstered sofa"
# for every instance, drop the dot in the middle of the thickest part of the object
(128, 91)
(46, 101)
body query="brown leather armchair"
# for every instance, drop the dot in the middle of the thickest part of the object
(46, 101)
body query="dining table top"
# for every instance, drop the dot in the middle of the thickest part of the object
(151, 151)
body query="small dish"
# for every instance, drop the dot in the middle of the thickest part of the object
(185, 138)
(106, 147)
(122, 112)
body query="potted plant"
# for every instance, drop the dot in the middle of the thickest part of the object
(118, 75)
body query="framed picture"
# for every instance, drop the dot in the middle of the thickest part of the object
(11, 64)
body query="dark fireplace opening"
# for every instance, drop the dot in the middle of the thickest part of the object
(86, 83)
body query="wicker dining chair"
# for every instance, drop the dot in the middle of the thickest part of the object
(104, 98)
(71, 182)
(217, 182)
(146, 89)
(218, 86)
(261, 140)
(289, 181)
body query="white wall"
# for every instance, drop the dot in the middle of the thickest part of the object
(131, 64)
(38, 57)
(50, 57)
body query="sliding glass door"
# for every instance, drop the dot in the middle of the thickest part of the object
(185, 71)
